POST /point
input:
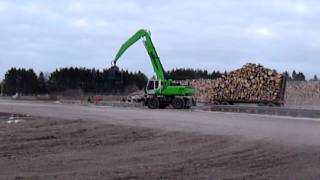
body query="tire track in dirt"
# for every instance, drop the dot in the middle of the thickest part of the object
(47, 148)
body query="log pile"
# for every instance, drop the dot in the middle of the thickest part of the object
(250, 83)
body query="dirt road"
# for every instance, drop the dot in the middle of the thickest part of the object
(63, 141)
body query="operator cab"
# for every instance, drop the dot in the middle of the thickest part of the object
(153, 85)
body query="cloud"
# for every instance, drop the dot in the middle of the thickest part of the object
(263, 32)
(302, 8)
(3, 7)
(216, 35)
(81, 23)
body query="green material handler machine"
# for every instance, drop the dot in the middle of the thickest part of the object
(159, 92)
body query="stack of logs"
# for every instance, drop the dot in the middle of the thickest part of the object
(250, 83)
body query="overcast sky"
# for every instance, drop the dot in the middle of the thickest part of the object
(211, 34)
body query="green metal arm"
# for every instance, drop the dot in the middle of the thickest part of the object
(155, 60)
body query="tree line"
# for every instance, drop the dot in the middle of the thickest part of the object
(85, 80)
(297, 76)
(183, 73)
(27, 82)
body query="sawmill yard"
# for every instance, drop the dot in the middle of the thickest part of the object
(159, 90)
(78, 139)
(63, 141)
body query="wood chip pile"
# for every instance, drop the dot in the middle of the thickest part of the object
(250, 83)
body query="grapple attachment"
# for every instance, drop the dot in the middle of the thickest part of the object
(114, 73)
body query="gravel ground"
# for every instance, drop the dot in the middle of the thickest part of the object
(75, 142)
(46, 148)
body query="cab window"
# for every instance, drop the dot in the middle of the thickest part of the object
(156, 84)
(151, 85)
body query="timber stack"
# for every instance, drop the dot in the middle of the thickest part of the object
(250, 84)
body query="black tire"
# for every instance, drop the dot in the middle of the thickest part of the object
(187, 104)
(194, 102)
(178, 103)
(153, 103)
(225, 103)
(162, 106)
(216, 103)
(270, 104)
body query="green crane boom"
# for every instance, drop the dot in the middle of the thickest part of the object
(155, 60)
(160, 92)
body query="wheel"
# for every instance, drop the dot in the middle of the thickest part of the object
(162, 106)
(225, 103)
(178, 103)
(194, 102)
(270, 104)
(187, 104)
(216, 103)
(153, 103)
